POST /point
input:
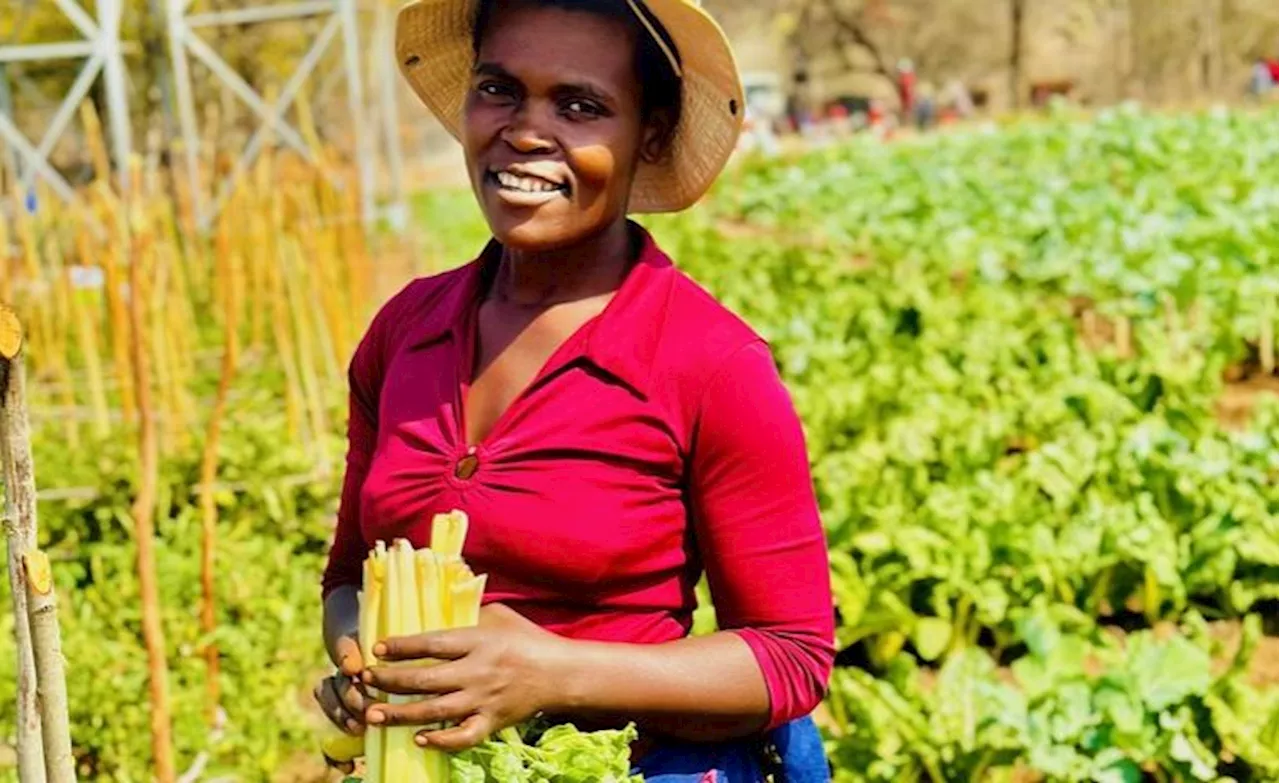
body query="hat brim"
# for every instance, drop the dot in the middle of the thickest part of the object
(433, 52)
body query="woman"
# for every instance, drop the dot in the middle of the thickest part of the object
(610, 430)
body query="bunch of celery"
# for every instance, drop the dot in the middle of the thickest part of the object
(408, 591)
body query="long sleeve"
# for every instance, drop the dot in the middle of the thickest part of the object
(346, 556)
(758, 530)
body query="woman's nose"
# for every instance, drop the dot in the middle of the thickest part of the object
(525, 137)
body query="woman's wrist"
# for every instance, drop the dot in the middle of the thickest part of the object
(564, 663)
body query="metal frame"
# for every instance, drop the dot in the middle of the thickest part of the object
(388, 108)
(104, 55)
(184, 43)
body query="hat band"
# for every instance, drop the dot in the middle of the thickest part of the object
(662, 43)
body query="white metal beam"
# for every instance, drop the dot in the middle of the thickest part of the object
(104, 53)
(79, 17)
(185, 44)
(236, 83)
(69, 104)
(355, 100)
(14, 138)
(109, 13)
(282, 103)
(61, 50)
(265, 13)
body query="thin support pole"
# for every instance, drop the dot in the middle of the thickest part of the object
(388, 84)
(116, 88)
(355, 102)
(19, 528)
(186, 109)
(11, 160)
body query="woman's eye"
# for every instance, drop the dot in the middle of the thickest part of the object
(583, 108)
(495, 89)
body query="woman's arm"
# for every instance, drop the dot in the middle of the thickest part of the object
(760, 538)
(340, 699)
(759, 535)
(701, 689)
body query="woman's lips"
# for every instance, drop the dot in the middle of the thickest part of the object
(523, 186)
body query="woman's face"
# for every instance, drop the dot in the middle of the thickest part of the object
(552, 127)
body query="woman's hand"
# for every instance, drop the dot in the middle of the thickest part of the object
(341, 696)
(489, 677)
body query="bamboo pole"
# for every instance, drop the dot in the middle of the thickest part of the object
(19, 524)
(87, 331)
(208, 503)
(144, 527)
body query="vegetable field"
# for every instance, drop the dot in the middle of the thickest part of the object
(1036, 366)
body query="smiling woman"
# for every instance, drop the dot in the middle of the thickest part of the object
(610, 430)
(594, 87)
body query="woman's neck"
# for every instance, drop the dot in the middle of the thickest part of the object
(593, 267)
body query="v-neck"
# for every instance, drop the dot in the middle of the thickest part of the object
(469, 347)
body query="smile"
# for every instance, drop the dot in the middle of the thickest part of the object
(523, 189)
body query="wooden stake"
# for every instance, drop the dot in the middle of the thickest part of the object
(19, 525)
(144, 527)
(208, 503)
(42, 611)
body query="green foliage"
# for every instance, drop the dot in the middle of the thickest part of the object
(1005, 477)
(989, 451)
(559, 754)
(273, 534)
(1077, 707)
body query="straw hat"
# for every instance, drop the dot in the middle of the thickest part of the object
(433, 48)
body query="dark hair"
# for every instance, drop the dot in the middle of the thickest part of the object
(660, 87)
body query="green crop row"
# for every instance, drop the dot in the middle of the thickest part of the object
(1007, 349)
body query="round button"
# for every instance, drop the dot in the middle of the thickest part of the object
(466, 467)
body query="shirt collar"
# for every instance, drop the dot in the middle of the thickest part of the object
(622, 341)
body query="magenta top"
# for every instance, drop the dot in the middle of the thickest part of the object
(657, 442)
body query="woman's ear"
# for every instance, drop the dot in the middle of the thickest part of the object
(659, 133)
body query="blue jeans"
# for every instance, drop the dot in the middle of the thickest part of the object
(798, 744)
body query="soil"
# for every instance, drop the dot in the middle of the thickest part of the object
(1238, 399)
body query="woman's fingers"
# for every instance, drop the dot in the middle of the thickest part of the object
(447, 645)
(334, 706)
(450, 707)
(354, 699)
(348, 658)
(471, 732)
(423, 678)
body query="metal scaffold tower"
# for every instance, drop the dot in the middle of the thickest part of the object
(102, 52)
(340, 21)
(361, 61)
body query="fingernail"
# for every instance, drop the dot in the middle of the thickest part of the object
(366, 677)
(379, 649)
(353, 725)
(421, 739)
(376, 717)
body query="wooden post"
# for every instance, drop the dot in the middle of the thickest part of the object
(42, 611)
(144, 521)
(19, 525)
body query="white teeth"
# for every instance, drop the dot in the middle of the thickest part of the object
(524, 184)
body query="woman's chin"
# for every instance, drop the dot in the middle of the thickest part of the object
(534, 229)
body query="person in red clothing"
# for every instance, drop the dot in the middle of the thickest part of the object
(612, 432)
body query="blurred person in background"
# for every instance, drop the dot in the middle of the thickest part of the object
(926, 107)
(1263, 76)
(611, 431)
(905, 82)
(958, 99)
